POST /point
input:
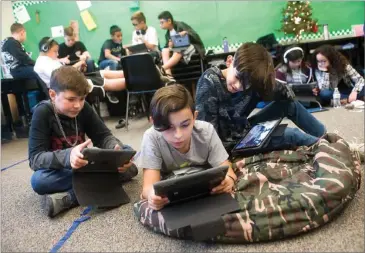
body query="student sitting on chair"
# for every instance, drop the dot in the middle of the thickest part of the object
(226, 98)
(293, 68)
(112, 50)
(106, 80)
(144, 34)
(57, 138)
(332, 70)
(72, 51)
(14, 56)
(173, 27)
(177, 141)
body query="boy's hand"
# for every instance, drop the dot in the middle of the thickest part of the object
(156, 202)
(65, 60)
(225, 186)
(183, 33)
(170, 44)
(125, 166)
(76, 158)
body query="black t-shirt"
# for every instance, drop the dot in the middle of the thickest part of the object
(78, 48)
(116, 49)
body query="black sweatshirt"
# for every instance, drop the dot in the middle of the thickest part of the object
(14, 55)
(48, 148)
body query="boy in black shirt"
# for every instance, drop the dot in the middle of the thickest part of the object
(73, 51)
(14, 55)
(112, 50)
(57, 137)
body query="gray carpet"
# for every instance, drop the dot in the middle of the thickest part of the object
(26, 229)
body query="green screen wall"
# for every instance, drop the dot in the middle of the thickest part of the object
(240, 21)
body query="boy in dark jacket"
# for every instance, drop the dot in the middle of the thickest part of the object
(173, 27)
(14, 55)
(57, 138)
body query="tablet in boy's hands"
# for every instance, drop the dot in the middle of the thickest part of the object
(108, 158)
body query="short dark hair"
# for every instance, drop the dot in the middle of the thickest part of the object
(114, 29)
(16, 27)
(255, 62)
(172, 98)
(139, 16)
(337, 61)
(48, 40)
(69, 78)
(166, 15)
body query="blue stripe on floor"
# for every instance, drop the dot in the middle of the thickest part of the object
(72, 229)
(14, 164)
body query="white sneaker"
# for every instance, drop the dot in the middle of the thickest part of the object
(358, 150)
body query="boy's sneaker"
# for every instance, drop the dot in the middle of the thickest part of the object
(358, 150)
(58, 202)
(112, 98)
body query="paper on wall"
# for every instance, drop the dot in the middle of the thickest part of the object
(57, 31)
(358, 30)
(83, 5)
(88, 20)
(21, 14)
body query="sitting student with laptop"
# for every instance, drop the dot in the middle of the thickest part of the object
(57, 139)
(183, 33)
(227, 97)
(73, 51)
(143, 35)
(106, 81)
(177, 144)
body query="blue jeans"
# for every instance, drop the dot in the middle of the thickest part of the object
(24, 72)
(90, 66)
(292, 137)
(111, 63)
(327, 94)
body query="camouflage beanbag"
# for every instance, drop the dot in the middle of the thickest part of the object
(282, 193)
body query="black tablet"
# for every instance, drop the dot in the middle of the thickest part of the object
(190, 186)
(303, 88)
(257, 136)
(107, 159)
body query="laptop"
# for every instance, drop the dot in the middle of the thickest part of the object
(98, 182)
(191, 186)
(138, 49)
(256, 139)
(180, 42)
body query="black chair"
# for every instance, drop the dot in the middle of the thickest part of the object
(20, 88)
(141, 77)
(189, 74)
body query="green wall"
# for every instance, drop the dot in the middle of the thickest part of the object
(240, 21)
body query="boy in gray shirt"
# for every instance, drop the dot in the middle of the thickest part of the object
(177, 144)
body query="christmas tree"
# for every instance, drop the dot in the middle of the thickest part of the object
(297, 18)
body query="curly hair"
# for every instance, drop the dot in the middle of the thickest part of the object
(337, 61)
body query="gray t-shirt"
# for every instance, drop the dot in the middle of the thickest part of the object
(206, 150)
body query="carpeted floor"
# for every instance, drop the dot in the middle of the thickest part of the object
(24, 228)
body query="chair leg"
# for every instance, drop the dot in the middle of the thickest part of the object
(126, 113)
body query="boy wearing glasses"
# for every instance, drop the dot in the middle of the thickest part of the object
(173, 27)
(226, 98)
(145, 34)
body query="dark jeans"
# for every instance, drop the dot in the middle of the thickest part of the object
(24, 72)
(292, 137)
(90, 66)
(327, 94)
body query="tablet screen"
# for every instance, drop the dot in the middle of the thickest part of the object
(257, 135)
